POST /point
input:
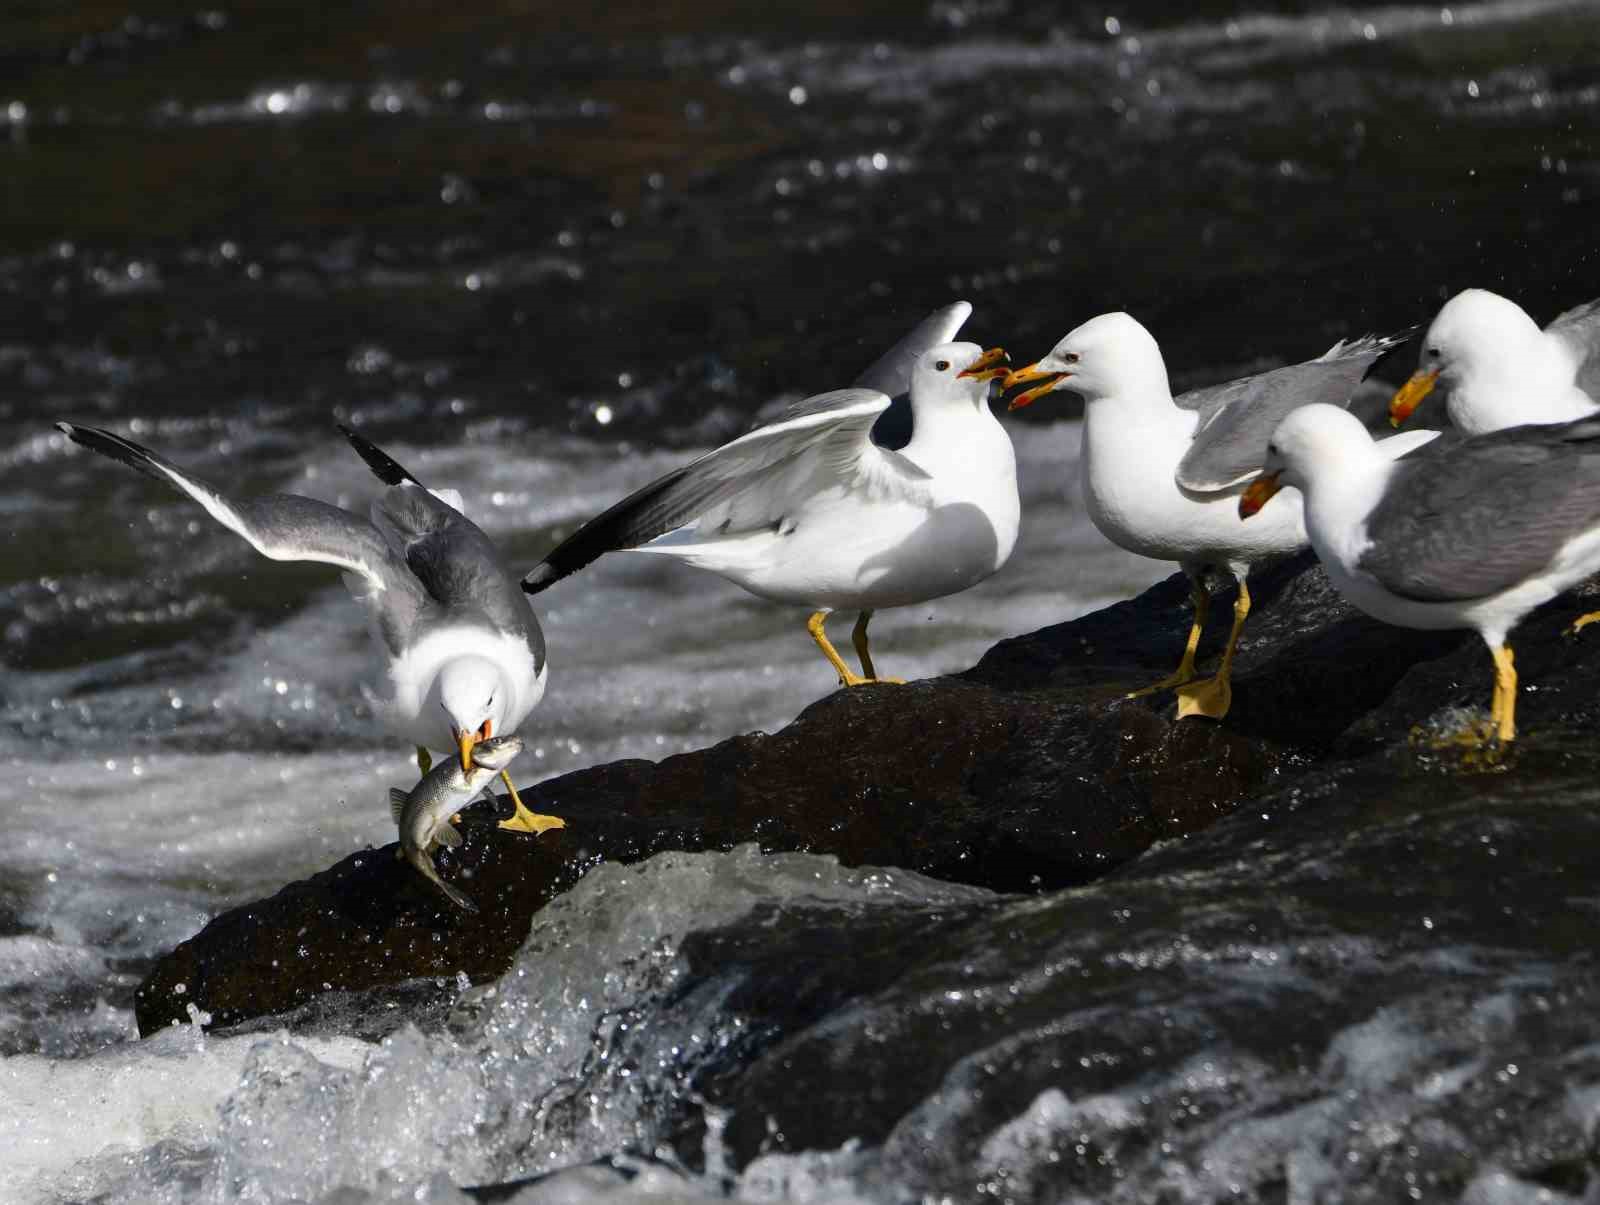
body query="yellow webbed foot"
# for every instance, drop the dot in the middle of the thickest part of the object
(524, 821)
(858, 680)
(1211, 697)
(1178, 678)
(1582, 622)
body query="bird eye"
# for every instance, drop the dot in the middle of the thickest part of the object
(942, 365)
(1272, 449)
(1070, 357)
(1434, 352)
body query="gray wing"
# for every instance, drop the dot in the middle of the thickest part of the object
(287, 527)
(683, 495)
(891, 372)
(1579, 329)
(1485, 514)
(1237, 419)
(453, 559)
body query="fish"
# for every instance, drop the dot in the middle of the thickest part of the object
(423, 813)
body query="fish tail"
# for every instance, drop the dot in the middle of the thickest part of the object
(424, 864)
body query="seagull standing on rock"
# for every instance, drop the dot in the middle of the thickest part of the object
(1474, 536)
(466, 656)
(810, 510)
(1497, 369)
(1162, 476)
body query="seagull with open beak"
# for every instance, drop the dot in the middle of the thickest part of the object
(1162, 475)
(811, 510)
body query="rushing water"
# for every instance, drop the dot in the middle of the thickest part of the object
(543, 254)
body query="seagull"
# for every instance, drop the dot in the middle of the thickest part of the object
(811, 510)
(1475, 535)
(1497, 369)
(1162, 475)
(466, 656)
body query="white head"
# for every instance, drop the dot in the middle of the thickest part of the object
(956, 373)
(1107, 356)
(1310, 444)
(473, 696)
(1477, 336)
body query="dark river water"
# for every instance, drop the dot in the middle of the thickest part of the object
(544, 252)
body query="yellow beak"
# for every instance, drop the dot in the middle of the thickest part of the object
(469, 739)
(1027, 374)
(990, 366)
(1257, 494)
(1409, 396)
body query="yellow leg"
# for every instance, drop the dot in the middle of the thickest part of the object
(858, 637)
(1582, 622)
(524, 821)
(1185, 671)
(424, 761)
(1503, 705)
(847, 676)
(1214, 696)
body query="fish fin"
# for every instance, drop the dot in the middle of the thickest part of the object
(447, 835)
(397, 802)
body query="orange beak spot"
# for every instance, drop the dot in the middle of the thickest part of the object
(1027, 375)
(1409, 396)
(990, 366)
(1257, 494)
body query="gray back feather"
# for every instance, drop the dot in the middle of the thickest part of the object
(1579, 329)
(1237, 419)
(455, 562)
(1486, 513)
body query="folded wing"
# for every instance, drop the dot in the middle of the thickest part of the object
(1579, 329)
(1237, 419)
(1485, 514)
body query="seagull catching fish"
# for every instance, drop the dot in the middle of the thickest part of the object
(425, 812)
(466, 657)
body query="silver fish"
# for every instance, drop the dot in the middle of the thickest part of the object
(424, 812)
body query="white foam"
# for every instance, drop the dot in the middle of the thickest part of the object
(72, 1129)
(562, 1062)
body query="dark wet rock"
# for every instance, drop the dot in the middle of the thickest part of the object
(1381, 977)
(1026, 773)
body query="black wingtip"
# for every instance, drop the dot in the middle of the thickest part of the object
(114, 447)
(385, 467)
(539, 577)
